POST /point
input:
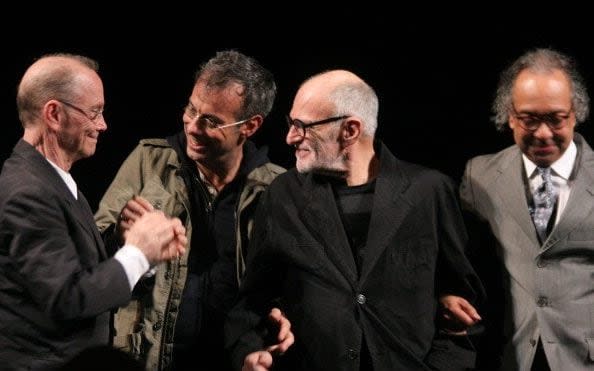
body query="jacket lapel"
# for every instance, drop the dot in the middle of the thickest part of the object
(88, 222)
(322, 219)
(511, 191)
(582, 189)
(390, 206)
(44, 170)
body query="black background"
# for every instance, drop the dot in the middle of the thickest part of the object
(434, 70)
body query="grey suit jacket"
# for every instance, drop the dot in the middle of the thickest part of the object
(57, 283)
(549, 288)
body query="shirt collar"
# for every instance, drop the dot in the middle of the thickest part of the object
(562, 167)
(67, 178)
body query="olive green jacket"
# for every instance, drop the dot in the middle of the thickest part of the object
(145, 327)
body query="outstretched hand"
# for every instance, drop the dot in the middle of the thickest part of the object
(262, 360)
(285, 335)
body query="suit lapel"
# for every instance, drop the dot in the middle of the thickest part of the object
(579, 205)
(511, 192)
(322, 219)
(89, 225)
(80, 210)
(390, 206)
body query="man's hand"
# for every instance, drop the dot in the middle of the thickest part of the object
(457, 314)
(262, 360)
(158, 237)
(134, 209)
(257, 361)
(285, 335)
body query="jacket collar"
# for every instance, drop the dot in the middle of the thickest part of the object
(390, 206)
(44, 170)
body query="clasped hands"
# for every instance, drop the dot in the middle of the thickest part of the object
(159, 237)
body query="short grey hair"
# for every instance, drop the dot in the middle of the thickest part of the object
(359, 99)
(231, 66)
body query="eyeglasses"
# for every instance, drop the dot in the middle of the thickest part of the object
(93, 116)
(301, 126)
(207, 120)
(531, 121)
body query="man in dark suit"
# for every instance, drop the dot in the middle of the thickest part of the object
(57, 281)
(355, 245)
(535, 199)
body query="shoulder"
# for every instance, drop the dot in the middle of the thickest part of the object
(488, 162)
(266, 173)
(154, 142)
(154, 150)
(420, 176)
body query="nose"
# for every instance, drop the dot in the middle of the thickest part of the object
(192, 124)
(101, 123)
(293, 136)
(543, 131)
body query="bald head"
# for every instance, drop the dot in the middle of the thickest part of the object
(330, 80)
(57, 76)
(341, 92)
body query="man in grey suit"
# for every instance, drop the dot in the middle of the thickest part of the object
(536, 200)
(58, 282)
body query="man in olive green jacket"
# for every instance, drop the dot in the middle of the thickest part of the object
(210, 176)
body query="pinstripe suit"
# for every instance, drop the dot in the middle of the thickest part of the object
(543, 291)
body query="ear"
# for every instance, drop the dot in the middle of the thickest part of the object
(251, 126)
(351, 131)
(52, 114)
(511, 122)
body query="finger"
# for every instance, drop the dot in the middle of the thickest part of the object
(256, 361)
(143, 203)
(470, 310)
(125, 224)
(281, 321)
(137, 208)
(461, 316)
(284, 345)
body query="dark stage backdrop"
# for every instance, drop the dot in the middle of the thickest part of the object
(435, 76)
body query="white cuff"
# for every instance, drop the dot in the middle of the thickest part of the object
(134, 262)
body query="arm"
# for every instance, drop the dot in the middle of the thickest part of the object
(456, 282)
(248, 323)
(55, 257)
(127, 183)
(482, 253)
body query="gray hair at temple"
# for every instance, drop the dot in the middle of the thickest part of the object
(57, 82)
(540, 60)
(231, 66)
(356, 97)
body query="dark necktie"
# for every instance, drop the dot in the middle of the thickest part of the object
(544, 199)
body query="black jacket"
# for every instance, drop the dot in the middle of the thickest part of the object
(57, 284)
(300, 255)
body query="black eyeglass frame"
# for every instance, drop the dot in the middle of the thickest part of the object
(300, 125)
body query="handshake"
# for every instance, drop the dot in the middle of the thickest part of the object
(159, 237)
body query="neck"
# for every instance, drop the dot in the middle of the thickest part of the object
(363, 166)
(46, 143)
(221, 171)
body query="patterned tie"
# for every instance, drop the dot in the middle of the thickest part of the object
(544, 198)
